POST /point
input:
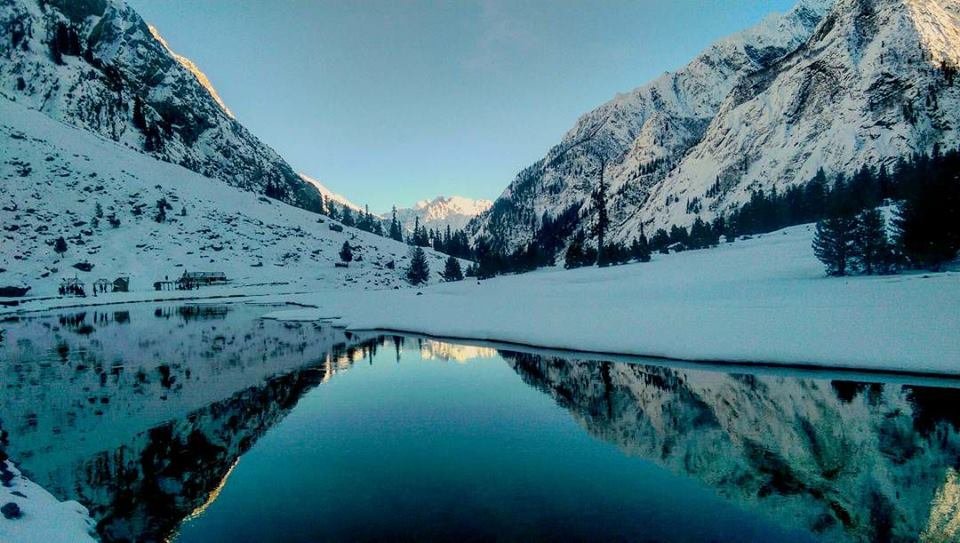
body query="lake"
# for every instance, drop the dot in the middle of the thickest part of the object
(205, 423)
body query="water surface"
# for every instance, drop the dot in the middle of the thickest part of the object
(206, 423)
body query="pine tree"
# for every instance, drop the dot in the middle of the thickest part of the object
(680, 236)
(396, 233)
(139, 120)
(452, 271)
(660, 241)
(833, 243)
(928, 229)
(346, 252)
(870, 245)
(419, 271)
(60, 246)
(162, 207)
(603, 220)
(574, 256)
(640, 249)
(347, 217)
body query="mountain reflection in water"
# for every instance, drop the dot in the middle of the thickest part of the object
(142, 413)
(849, 460)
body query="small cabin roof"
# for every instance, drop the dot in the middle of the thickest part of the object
(201, 275)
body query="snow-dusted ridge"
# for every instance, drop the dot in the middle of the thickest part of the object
(195, 70)
(329, 195)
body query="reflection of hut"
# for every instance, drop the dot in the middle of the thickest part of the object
(121, 284)
(101, 286)
(72, 286)
(191, 280)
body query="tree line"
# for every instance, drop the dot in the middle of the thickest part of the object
(853, 236)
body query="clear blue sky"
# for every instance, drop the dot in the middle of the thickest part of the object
(392, 101)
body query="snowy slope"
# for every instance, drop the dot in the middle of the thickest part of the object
(120, 68)
(642, 134)
(441, 212)
(253, 239)
(760, 300)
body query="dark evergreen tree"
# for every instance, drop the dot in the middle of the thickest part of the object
(396, 232)
(599, 198)
(870, 244)
(451, 270)
(419, 271)
(162, 207)
(139, 119)
(640, 249)
(346, 252)
(928, 221)
(346, 217)
(574, 256)
(833, 243)
(701, 235)
(420, 238)
(660, 241)
(60, 245)
(679, 237)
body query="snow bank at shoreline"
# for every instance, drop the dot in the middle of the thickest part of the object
(763, 300)
(42, 518)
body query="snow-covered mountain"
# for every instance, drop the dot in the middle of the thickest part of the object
(95, 64)
(827, 84)
(106, 207)
(442, 211)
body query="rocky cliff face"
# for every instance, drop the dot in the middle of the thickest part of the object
(832, 85)
(95, 64)
(874, 83)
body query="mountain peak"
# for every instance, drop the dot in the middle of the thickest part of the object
(443, 211)
(193, 69)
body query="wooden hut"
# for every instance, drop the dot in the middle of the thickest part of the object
(121, 284)
(191, 280)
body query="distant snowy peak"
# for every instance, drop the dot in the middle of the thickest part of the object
(443, 211)
(195, 70)
(329, 195)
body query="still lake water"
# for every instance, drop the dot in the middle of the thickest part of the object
(204, 423)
